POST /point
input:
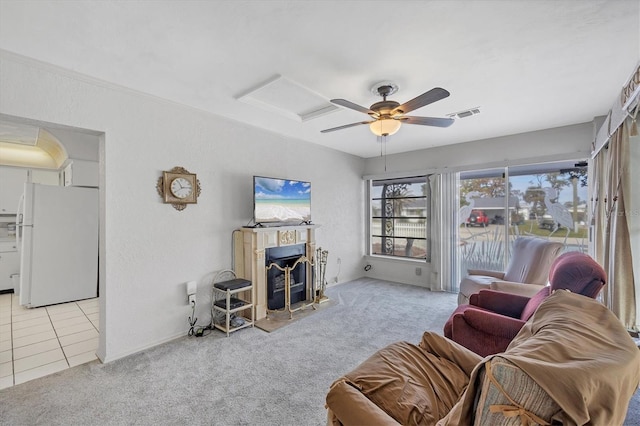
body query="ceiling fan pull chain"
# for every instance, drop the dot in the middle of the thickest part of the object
(384, 141)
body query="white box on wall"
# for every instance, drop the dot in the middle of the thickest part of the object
(82, 173)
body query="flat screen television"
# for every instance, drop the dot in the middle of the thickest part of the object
(281, 201)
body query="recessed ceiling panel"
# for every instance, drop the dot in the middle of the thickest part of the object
(289, 98)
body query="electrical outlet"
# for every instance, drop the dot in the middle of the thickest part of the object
(339, 261)
(192, 287)
(418, 271)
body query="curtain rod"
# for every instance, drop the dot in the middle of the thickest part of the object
(621, 109)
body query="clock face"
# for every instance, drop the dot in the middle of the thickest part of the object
(181, 188)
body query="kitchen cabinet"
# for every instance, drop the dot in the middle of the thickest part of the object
(12, 182)
(9, 264)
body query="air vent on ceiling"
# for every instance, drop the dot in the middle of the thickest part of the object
(466, 113)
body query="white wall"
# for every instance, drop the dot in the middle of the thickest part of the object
(570, 142)
(399, 270)
(79, 145)
(149, 250)
(544, 145)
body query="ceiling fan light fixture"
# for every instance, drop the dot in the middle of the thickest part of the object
(389, 115)
(385, 127)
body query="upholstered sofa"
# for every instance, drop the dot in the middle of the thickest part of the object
(572, 363)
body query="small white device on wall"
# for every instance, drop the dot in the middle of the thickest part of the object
(82, 173)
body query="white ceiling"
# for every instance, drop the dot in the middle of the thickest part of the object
(528, 65)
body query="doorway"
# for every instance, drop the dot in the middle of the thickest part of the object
(84, 147)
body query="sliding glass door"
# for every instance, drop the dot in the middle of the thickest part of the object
(496, 206)
(481, 242)
(553, 201)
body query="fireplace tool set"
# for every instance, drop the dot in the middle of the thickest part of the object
(321, 283)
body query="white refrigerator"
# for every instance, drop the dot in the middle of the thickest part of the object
(58, 243)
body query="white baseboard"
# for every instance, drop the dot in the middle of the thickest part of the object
(140, 349)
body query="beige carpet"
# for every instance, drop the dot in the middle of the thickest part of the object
(277, 320)
(250, 378)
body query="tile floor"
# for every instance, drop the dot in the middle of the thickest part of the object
(41, 341)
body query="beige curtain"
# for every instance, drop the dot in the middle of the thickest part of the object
(443, 196)
(612, 241)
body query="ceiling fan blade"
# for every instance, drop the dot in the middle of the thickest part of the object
(428, 121)
(346, 126)
(347, 104)
(433, 95)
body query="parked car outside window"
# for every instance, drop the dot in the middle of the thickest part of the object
(478, 218)
(547, 222)
(516, 219)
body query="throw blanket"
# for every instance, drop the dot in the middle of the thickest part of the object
(579, 353)
(404, 384)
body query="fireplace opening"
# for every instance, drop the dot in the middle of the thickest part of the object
(285, 257)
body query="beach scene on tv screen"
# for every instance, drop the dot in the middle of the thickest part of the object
(281, 200)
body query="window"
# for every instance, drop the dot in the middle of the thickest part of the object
(399, 219)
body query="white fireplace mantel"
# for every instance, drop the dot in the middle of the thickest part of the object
(249, 246)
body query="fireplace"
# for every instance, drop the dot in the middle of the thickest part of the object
(251, 247)
(285, 257)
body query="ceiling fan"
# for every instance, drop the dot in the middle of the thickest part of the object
(389, 115)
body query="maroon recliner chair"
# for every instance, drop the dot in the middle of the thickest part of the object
(493, 318)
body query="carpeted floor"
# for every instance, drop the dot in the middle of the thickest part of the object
(276, 320)
(249, 378)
